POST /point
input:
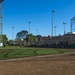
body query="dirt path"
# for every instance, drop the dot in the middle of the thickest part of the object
(43, 65)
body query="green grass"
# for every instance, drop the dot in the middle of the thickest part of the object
(16, 52)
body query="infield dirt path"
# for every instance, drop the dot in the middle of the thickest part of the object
(43, 65)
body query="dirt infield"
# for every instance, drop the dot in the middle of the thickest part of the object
(42, 65)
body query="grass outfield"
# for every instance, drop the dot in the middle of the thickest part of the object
(17, 52)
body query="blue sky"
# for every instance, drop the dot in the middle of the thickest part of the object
(18, 13)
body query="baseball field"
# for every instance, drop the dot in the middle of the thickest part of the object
(37, 61)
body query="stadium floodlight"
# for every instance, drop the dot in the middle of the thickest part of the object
(1, 0)
(1, 23)
(72, 22)
(52, 22)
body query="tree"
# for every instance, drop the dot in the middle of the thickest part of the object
(5, 39)
(31, 39)
(21, 35)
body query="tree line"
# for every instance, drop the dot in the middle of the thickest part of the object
(23, 38)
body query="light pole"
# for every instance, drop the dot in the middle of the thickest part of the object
(52, 22)
(1, 23)
(13, 33)
(55, 29)
(29, 26)
(64, 23)
(37, 31)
